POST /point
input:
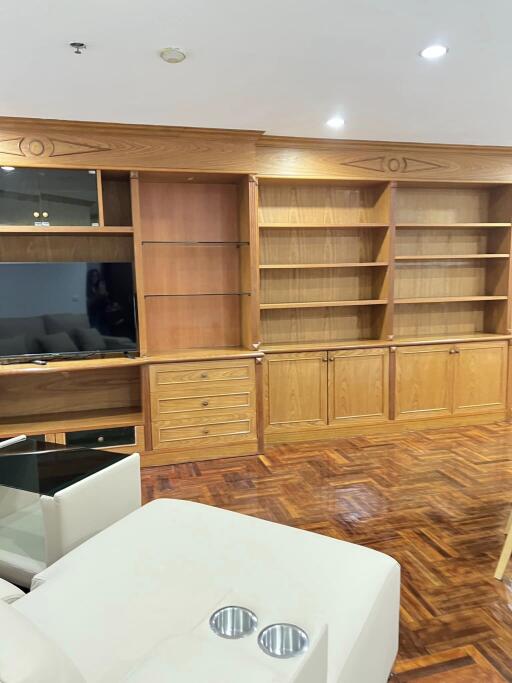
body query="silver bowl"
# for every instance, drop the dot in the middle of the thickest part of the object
(283, 641)
(233, 622)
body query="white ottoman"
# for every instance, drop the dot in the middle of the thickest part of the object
(157, 575)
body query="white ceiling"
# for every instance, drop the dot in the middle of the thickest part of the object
(283, 66)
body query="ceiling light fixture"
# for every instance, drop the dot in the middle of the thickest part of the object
(335, 122)
(434, 51)
(7, 168)
(172, 55)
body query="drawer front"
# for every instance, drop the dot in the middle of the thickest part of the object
(167, 378)
(217, 429)
(163, 407)
(102, 438)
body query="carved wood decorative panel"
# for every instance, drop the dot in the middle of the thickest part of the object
(381, 160)
(29, 142)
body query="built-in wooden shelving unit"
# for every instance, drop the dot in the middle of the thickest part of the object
(194, 244)
(337, 260)
(324, 261)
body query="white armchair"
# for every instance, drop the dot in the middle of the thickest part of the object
(35, 530)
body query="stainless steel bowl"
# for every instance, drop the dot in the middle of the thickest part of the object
(233, 622)
(283, 641)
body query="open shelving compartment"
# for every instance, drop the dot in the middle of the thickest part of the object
(194, 238)
(452, 265)
(324, 257)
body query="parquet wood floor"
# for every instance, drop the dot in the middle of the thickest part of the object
(436, 500)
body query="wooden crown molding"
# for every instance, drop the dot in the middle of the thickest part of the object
(78, 144)
(82, 144)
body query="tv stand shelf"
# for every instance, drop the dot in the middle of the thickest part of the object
(72, 421)
(64, 230)
(178, 356)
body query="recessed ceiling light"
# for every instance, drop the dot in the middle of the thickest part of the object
(7, 168)
(335, 122)
(172, 55)
(434, 51)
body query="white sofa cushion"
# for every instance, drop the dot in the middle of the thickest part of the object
(28, 656)
(160, 571)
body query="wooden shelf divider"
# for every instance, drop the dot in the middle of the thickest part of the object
(448, 299)
(323, 226)
(451, 226)
(450, 257)
(305, 266)
(325, 304)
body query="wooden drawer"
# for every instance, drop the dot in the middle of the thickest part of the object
(168, 379)
(221, 427)
(162, 406)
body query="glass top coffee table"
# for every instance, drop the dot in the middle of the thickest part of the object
(33, 474)
(45, 468)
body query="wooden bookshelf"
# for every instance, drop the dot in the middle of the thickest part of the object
(323, 247)
(336, 258)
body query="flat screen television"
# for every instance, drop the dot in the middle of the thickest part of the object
(71, 309)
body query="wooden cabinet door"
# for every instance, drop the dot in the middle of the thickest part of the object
(480, 377)
(424, 382)
(358, 386)
(296, 390)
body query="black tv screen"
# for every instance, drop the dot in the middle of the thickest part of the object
(68, 308)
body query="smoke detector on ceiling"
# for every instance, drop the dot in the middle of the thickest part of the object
(172, 55)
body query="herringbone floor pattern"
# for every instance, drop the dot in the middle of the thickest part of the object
(437, 501)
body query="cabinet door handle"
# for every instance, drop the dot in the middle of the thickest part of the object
(204, 375)
(205, 403)
(206, 431)
(331, 358)
(454, 351)
(101, 439)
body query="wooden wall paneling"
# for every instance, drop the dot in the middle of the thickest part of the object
(438, 205)
(101, 208)
(146, 406)
(139, 263)
(440, 320)
(309, 159)
(191, 269)
(323, 284)
(44, 142)
(280, 246)
(190, 322)
(43, 248)
(441, 279)
(188, 212)
(317, 324)
(260, 403)
(249, 262)
(321, 204)
(500, 204)
(387, 253)
(496, 317)
(116, 198)
(69, 392)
